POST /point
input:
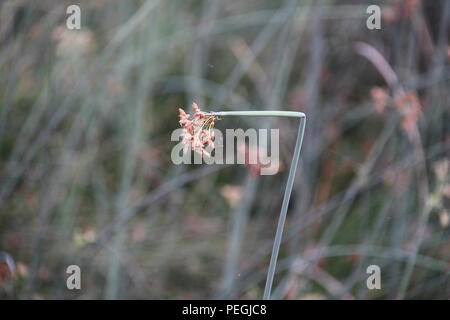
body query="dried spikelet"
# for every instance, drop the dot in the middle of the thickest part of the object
(195, 136)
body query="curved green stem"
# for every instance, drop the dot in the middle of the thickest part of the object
(289, 184)
(264, 113)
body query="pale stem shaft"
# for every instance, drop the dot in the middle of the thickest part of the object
(289, 184)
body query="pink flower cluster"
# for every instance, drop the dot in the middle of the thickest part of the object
(197, 130)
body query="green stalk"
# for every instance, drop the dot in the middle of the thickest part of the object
(289, 184)
(264, 113)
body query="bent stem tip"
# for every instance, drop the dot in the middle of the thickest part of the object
(289, 184)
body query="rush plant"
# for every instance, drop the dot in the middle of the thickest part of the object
(197, 135)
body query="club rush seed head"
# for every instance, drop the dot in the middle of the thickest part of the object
(197, 130)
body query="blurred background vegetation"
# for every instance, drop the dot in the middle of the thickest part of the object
(85, 169)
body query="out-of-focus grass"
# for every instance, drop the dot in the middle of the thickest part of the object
(86, 175)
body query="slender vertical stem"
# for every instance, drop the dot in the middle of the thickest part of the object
(283, 212)
(289, 184)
